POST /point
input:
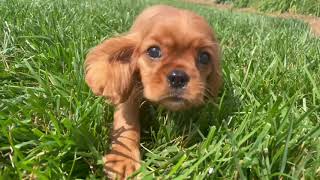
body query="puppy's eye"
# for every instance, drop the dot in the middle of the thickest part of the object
(154, 52)
(204, 58)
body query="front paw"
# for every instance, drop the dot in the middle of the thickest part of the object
(120, 165)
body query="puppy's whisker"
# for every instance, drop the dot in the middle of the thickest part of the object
(208, 93)
(142, 103)
(202, 87)
(204, 90)
(208, 96)
(137, 93)
(213, 43)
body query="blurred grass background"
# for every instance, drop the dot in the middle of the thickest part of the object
(307, 7)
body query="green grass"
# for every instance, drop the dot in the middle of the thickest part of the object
(308, 7)
(265, 125)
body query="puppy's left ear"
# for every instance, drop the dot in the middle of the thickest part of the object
(214, 81)
(110, 68)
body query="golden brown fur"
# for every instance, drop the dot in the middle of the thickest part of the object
(121, 69)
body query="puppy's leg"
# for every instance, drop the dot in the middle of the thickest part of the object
(124, 157)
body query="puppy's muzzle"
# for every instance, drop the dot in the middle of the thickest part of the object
(178, 79)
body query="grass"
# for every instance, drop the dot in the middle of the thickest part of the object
(265, 125)
(308, 7)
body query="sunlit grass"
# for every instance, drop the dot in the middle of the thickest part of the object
(307, 7)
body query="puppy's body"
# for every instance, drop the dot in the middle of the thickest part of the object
(169, 57)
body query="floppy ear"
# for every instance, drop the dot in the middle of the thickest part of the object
(214, 81)
(109, 68)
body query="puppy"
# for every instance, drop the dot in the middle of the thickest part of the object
(169, 57)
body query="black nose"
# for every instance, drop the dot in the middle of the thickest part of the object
(178, 79)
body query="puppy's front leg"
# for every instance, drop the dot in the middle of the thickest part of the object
(124, 157)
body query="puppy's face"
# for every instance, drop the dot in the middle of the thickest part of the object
(174, 53)
(176, 59)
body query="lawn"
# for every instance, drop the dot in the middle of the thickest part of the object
(309, 7)
(264, 125)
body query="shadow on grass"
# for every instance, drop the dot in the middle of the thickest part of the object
(189, 127)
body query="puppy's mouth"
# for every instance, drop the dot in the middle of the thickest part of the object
(173, 99)
(174, 102)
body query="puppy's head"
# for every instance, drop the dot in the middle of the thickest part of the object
(174, 53)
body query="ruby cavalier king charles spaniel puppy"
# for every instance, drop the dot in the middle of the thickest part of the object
(169, 57)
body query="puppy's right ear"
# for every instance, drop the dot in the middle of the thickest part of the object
(110, 67)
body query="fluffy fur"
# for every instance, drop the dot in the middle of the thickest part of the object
(121, 70)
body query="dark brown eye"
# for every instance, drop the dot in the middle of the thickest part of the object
(154, 52)
(204, 58)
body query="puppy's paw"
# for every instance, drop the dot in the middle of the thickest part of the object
(118, 165)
